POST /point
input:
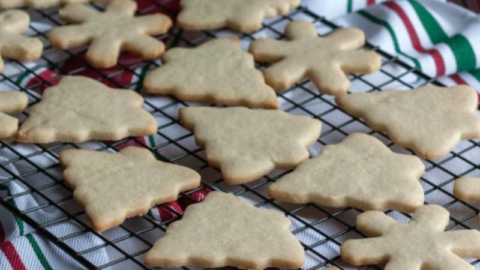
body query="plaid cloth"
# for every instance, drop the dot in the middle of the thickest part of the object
(436, 37)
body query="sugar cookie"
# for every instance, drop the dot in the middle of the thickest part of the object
(218, 71)
(241, 15)
(467, 189)
(324, 60)
(247, 144)
(113, 187)
(429, 120)
(11, 102)
(75, 111)
(13, 44)
(421, 244)
(225, 231)
(376, 178)
(110, 32)
(40, 3)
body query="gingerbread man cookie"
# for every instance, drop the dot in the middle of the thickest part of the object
(110, 32)
(420, 244)
(13, 44)
(324, 60)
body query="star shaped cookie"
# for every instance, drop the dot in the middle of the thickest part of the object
(420, 244)
(376, 178)
(113, 187)
(247, 144)
(429, 120)
(241, 15)
(324, 60)
(10, 102)
(226, 231)
(218, 71)
(13, 44)
(110, 32)
(79, 109)
(40, 3)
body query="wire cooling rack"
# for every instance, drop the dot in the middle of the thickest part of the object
(56, 217)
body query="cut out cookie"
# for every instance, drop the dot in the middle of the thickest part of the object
(11, 102)
(110, 32)
(240, 234)
(113, 187)
(75, 111)
(324, 60)
(240, 15)
(218, 71)
(421, 244)
(467, 189)
(376, 178)
(40, 3)
(429, 120)
(247, 144)
(13, 44)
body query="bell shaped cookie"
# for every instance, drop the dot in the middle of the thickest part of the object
(13, 44)
(226, 231)
(241, 15)
(113, 187)
(11, 102)
(247, 144)
(79, 109)
(218, 71)
(429, 120)
(360, 172)
(324, 60)
(111, 31)
(420, 244)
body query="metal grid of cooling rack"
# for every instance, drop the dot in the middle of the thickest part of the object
(321, 230)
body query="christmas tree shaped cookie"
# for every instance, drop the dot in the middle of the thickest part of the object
(113, 187)
(10, 102)
(324, 60)
(40, 3)
(79, 109)
(429, 120)
(110, 32)
(241, 15)
(247, 144)
(421, 244)
(226, 231)
(376, 178)
(13, 44)
(218, 71)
